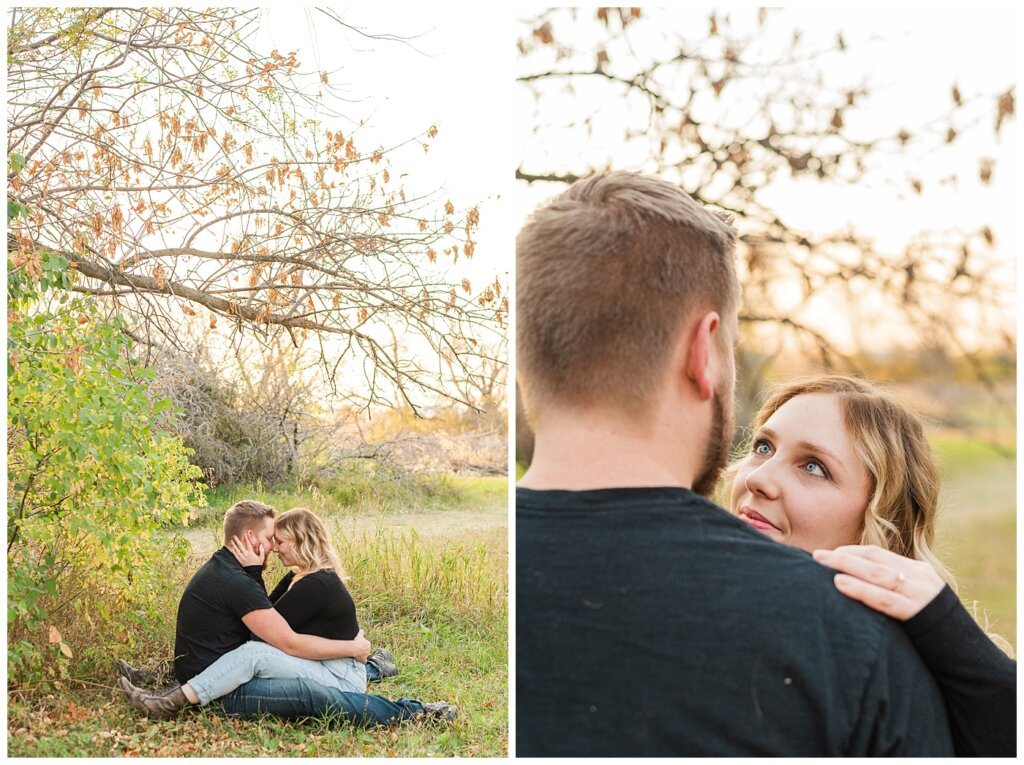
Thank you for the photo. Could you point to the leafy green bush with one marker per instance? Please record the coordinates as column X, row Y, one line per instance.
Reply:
column 93, row 476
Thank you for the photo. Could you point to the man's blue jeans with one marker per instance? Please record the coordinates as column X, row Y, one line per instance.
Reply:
column 299, row 697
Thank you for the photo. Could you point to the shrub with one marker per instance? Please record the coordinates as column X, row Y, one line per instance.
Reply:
column 93, row 475
column 231, row 438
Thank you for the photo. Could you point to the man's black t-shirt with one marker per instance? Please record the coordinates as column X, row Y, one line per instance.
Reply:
column 210, row 613
column 318, row 604
column 652, row 622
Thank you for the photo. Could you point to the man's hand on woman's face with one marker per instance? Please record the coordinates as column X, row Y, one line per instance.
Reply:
column 245, row 554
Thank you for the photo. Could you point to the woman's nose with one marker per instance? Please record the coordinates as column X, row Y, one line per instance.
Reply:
column 762, row 480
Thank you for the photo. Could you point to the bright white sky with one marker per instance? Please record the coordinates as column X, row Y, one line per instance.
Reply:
column 912, row 62
column 456, row 73
column 453, row 73
column 910, row 59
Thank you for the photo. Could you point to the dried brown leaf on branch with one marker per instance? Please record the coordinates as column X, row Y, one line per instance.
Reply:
column 214, row 167
column 985, row 168
column 1004, row 108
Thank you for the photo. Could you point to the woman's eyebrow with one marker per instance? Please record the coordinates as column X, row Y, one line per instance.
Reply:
column 837, row 464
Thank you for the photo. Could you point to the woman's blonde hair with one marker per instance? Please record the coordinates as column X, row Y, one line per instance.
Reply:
column 313, row 548
column 890, row 439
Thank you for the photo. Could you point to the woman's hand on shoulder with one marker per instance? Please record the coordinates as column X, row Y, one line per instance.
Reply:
column 897, row 586
column 362, row 646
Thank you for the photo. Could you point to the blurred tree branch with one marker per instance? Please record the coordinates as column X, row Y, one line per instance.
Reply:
column 722, row 115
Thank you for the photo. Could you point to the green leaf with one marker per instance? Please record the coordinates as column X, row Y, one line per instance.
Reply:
column 14, row 210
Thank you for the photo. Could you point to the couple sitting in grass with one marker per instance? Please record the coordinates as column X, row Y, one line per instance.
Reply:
column 297, row 652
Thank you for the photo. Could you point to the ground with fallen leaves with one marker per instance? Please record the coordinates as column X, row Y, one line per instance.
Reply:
column 98, row 726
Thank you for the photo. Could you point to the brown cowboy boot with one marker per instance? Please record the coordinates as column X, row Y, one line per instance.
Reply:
column 440, row 710
column 382, row 659
column 146, row 679
column 163, row 705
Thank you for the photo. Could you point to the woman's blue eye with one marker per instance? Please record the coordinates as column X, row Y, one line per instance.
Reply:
column 763, row 448
column 813, row 467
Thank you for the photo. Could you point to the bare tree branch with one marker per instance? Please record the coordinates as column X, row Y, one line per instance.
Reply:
column 725, row 115
column 193, row 178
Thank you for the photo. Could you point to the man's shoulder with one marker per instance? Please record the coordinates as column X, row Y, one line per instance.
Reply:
column 713, row 597
column 676, row 530
column 220, row 571
column 609, row 501
column 662, row 515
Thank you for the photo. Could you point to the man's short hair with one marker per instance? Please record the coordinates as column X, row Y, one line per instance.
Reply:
column 606, row 273
column 247, row 514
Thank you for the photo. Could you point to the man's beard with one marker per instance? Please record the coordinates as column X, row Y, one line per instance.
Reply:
column 716, row 453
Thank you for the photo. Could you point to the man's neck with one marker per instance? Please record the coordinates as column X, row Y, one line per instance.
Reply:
column 576, row 452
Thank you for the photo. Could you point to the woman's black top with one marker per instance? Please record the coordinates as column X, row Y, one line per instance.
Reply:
column 978, row 681
column 318, row 604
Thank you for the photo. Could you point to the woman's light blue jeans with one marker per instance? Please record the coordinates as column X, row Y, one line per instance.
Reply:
column 257, row 659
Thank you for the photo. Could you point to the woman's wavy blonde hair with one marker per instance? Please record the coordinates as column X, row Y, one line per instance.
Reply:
column 890, row 439
column 313, row 548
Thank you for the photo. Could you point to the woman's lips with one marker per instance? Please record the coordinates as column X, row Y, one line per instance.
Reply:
column 757, row 520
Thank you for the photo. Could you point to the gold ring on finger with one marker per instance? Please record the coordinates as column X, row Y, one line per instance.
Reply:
column 900, row 579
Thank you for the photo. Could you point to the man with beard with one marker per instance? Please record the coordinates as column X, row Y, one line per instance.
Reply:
column 649, row 620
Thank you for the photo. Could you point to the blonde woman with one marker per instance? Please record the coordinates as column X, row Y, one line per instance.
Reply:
column 313, row 600
column 840, row 469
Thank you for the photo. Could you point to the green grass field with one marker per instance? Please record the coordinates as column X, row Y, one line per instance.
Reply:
column 429, row 576
column 977, row 526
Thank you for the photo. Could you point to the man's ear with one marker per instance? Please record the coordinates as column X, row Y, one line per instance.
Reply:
column 699, row 355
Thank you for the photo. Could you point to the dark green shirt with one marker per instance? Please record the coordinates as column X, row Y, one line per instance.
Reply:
column 652, row 622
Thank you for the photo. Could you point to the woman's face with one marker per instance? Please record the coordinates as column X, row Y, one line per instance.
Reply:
column 803, row 483
column 284, row 547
